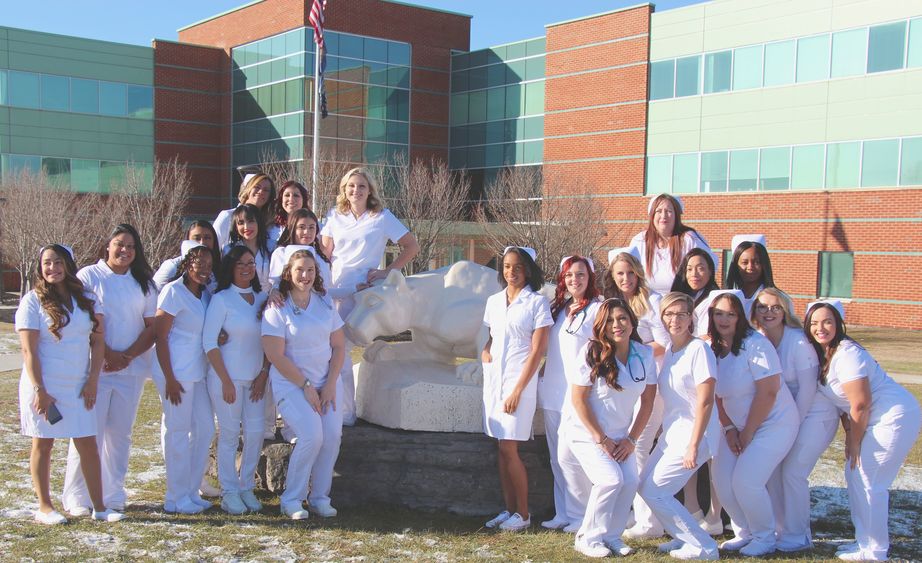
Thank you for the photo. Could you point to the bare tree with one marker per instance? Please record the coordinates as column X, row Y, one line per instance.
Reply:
column 329, row 174
column 524, row 208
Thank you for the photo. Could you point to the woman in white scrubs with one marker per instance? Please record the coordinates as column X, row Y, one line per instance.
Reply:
column 123, row 285
column 615, row 371
column 576, row 301
column 63, row 350
column 355, row 235
column 773, row 316
column 518, row 319
column 199, row 231
column 258, row 190
column 750, row 269
column 759, row 420
column 303, row 230
column 179, row 375
column 881, row 421
column 237, row 376
column 665, row 242
column 292, row 196
column 304, row 341
column 690, row 430
column 247, row 230
column 697, row 278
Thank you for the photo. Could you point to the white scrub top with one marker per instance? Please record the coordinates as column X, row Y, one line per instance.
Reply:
column 277, row 264
column 613, row 409
column 567, row 337
column 701, row 317
column 748, row 302
column 185, row 340
column 126, row 307
column 243, row 351
column 851, row 362
column 736, row 382
column 650, row 327
column 262, row 264
column 222, row 226
column 799, row 368
column 662, row 276
column 679, row 377
column 307, row 340
column 65, row 367
column 167, row 272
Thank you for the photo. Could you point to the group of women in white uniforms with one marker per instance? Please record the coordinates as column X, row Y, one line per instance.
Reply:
column 742, row 385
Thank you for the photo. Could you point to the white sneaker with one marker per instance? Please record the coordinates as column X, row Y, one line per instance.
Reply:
column 845, row 547
column 670, row 545
column 735, row 544
column 860, row 555
column 572, row 527
column 80, row 511
column 596, row 550
column 499, row 519
column 184, row 506
column 791, row 546
column 232, row 504
column 711, row 524
column 515, row 523
column 52, row 518
column 206, row 489
column 554, row 523
column 323, row 509
column 757, row 549
column 195, row 498
column 639, row 533
column 294, row 510
column 691, row 553
column 618, row 547
column 249, row 499
column 108, row 515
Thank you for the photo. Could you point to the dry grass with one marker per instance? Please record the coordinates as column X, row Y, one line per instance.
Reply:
column 898, row 351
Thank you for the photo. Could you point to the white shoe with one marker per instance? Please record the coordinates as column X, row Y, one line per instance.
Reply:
column 845, row 547
column 108, row 515
column 572, row 527
column 555, row 523
column 711, row 524
column 860, row 555
column 249, row 499
column 515, row 523
column 596, row 550
column 790, row 546
column 670, row 545
column 52, row 518
column 195, row 498
column 499, row 519
column 618, row 547
column 184, row 506
column 206, row 489
column 735, row 544
column 231, row 503
column 324, row 510
column 688, row 552
column 638, row 533
column 80, row 511
column 757, row 549
column 294, row 510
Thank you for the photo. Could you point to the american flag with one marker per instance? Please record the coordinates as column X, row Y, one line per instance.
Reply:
column 316, row 19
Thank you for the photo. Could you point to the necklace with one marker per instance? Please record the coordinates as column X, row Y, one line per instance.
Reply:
column 299, row 308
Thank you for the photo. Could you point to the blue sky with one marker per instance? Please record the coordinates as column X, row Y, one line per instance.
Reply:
column 138, row 21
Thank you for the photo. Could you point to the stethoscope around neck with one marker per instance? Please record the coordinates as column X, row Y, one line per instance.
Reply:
column 633, row 354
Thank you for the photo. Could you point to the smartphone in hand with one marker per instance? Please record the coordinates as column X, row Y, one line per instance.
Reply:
column 53, row 415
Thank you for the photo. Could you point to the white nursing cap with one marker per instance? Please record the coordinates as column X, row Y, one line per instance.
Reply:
column 834, row 303
column 530, row 251
column 247, row 178
column 675, row 198
column 719, row 292
column 632, row 250
column 64, row 246
column 188, row 245
column 290, row 251
column 740, row 239
column 565, row 258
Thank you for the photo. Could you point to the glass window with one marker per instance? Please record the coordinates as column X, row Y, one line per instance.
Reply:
column 398, row 53
column 494, row 131
column 842, row 164
column 24, row 89
column 914, row 58
column 496, row 103
column 375, row 130
column 515, row 51
column 879, row 163
column 294, row 95
column 16, row 163
column 534, row 68
column 459, row 81
column 885, row 46
column 744, row 168
column 849, row 52
column 534, row 127
column 717, row 68
column 714, row 171
column 774, row 169
column 55, row 92
column 458, row 109
column 813, row 58
column 375, row 49
column 493, row 155
column 294, row 41
column 662, row 74
column 534, row 98
column 111, row 98
column 111, row 174
column 807, row 167
column 533, row 152
column 277, row 46
column 3, row 88
column 688, row 76
column 350, row 46
column 535, row 47
column 779, row 63
column 659, row 174
column 84, row 95
column 515, row 101
column 911, row 162
column 515, row 71
column 747, row 68
column 140, row 101
column 398, row 77
column 685, row 173
column 57, row 170
column 84, row 175
column 836, row 272
column 477, row 78
column 478, row 107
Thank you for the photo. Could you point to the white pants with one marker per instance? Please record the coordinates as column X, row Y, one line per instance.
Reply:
column 661, row 480
column 883, row 450
column 314, row 455
column 643, row 516
column 789, row 487
column 117, row 398
column 346, row 400
column 242, row 412
column 269, row 413
column 566, row 494
column 578, row 483
column 742, row 480
column 187, row 432
column 613, row 488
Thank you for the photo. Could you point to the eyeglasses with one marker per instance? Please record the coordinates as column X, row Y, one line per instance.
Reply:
column 250, row 264
column 680, row 316
column 766, row 309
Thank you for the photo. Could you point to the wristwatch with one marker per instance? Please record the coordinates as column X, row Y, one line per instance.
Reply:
column 307, row 383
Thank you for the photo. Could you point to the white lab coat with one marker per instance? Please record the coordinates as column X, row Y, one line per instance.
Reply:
column 661, row 277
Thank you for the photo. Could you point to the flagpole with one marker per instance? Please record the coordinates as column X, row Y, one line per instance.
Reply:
column 315, row 156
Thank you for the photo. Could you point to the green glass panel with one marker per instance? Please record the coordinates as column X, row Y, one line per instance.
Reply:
column 458, row 136
column 350, row 46
column 16, row 163
column 477, row 133
column 375, row 130
column 398, row 77
column 535, row 47
column 515, row 71
column 475, row 157
column 911, row 162
column 879, row 163
column 477, row 78
column 459, row 81
column 775, row 168
column 813, row 58
column 496, row 55
column 515, row 50
column 111, row 98
column 277, row 70
column 534, row 127
column 717, row 71
column 885, row 46
column 458, row 61
column 496, row 103
column 478, row 106
column 140, row 101
column 24, row 89
column 4, row 88
column 294, row 41
column 779, row 63
column 534, row 68
column 662, row 74
column 807, row 167
column 688, row 76
column 515, row 101
column 398, row 105
column 264, row 50
column 84, row 95
column 478, row 58
column 747, row 68
column 84, row 175
column 744, row 167
column 493, row 155
column 714, row 172
column 294, row 95
column 57, row 170
column 496, row 75
column 849, row 52
column 294, row 66
column 534, row 152
column 914, row 57
column 55, row 92
column 836, row 273
column 685, row 173
column 842, row 164
column 495, row 131
column 534, row 98
column 457, row 159
column 659, row 174
column 278, row 46
column 111, row 174
column 398, row 132
column 398, row 53
column 277, row 102
column 458, row 109
column 375, row 49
